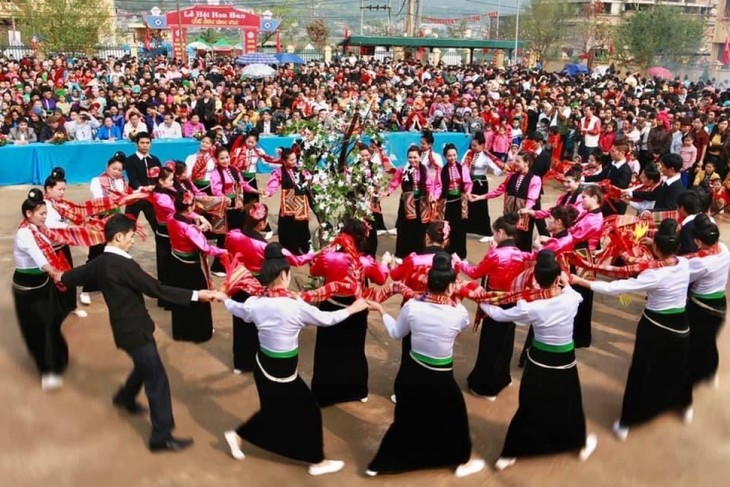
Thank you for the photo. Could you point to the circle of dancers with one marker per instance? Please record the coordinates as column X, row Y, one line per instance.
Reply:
column 209, row 209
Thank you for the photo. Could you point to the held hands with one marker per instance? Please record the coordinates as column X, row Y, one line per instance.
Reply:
column 564, row 279
column 374, row 306
column 218, row 296
column 357, row 306
column 527, row 211
column 206, row 296
column 387, row 258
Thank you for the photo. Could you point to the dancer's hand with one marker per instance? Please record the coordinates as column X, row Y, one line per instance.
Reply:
column 375, row 306
column 219, row 296
column 205, row 296
column 387, row 258
column 359, row 305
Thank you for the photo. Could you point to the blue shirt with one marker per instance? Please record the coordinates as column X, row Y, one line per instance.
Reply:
column 107, row 133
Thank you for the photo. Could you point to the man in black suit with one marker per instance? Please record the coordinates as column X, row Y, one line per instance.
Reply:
column 540, row 167
column 267, row 126
column 123, row 283
column 205, row 108
column 665, row 196
column 618, row 173
column 689, row 205
column 138, row 167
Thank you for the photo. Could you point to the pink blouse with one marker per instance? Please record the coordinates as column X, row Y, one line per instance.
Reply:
column 163, row 205
column 587, row 228
column 501, row 265
column 533, row 191
column 334, row 266
column 225, row 187
column 275, row 179
column 186, row 238
column 578, row 205
column 465, row 177
column 432, row 187
column 251, row 251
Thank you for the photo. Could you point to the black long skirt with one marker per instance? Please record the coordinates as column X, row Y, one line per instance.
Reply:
column 479, row 222
column 245, row 339
column 68, row 297
column 294, row 234
column 40, row 310
column 252, row 197
column 523, row 238
column 162, row 258
column 94, row 252
column 491, row 372
column 236, row 220
column 378, row 222
column 289, row 422
column 193, row 323
column 658, row 378
column 410, row 234
column 430, row 428
column 340, row 372
column 457, row 235
column 550, row 416
column 582, row 321
column 371, row 243
column 706, row 317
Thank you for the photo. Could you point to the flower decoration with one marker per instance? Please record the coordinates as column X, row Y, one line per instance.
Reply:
column 257, row 211
column 188, row 198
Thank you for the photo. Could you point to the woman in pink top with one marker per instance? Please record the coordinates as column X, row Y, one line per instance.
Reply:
column 248, row 246
column 521, row 189
column 501, row 143
column 414, row 210
column 573, row 196
column 340, row 372
column 189, row 269
column 193, row 127
column 454, row 194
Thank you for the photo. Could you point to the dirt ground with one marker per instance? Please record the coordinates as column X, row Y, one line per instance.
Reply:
column 75, row 437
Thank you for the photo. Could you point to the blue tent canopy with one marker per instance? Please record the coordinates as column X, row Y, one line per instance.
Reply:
column 286, row 58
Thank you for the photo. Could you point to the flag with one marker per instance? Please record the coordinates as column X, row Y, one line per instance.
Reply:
column 147, row 38
column 726, row 52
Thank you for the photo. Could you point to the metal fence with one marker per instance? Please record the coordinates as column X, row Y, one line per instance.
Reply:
column 18, row 52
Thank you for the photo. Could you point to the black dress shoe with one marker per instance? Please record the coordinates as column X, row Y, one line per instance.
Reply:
column 131, row 407
column 172, row 444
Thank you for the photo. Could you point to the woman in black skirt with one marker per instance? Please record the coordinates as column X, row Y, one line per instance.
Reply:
column 430, row 428
column 478, row 163
column 39, row 308
column 521, row 189
column 456, row 188
column 289, row 422
column 414, row 210
column 658, row 378
column 707, row 305
column 188, row 268
column 550, row 416
column 340, row 371
column 163, row 204
column 502, row 263
column 248, row 246
column 293, row 180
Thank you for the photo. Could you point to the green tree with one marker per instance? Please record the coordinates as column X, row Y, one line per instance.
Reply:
column 283, row 10
column 457, row 30
column 65, row 25
column 543, row 25
column 210, row 36
column 659, row 35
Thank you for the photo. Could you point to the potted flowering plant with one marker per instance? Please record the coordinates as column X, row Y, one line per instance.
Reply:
column 3, row 140
column 58, row 138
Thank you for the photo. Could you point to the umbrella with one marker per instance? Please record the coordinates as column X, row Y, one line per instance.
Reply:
column 198, row 46
column 257, row 58
column 659, row 72
column 258, row 71
column 285, row 57
column 222, row 45
column 574, row 69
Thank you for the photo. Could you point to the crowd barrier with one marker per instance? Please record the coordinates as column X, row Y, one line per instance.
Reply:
column 32, row 163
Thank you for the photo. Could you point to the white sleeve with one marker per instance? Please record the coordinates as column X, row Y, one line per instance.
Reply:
column 495, row 169
column 643, row 282
column 53, row 218
column 400, row 327
column 95, row 188
column 26, row 243
column 697, row 269
column 464, row 318
column 239, row 310
column 519, row 313
column 311, row 315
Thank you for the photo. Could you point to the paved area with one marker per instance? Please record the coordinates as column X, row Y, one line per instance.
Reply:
column 74, row 437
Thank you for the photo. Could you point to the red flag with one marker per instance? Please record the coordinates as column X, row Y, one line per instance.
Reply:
column 726, row 52
column 147, row 38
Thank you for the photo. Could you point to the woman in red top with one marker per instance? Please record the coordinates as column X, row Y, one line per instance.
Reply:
column 340, row 372
column 188, row 268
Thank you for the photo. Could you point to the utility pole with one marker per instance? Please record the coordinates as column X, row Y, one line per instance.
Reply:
column 362, row 15
column 390, row 19
column 377, row 8
column 410, row 17
column 517, row 29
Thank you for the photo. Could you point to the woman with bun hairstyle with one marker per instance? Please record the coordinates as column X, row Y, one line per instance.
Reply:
column 110, row 183
column 188, row 269
column 502, row 263
column 658, row 378
column 201, row 165
column 478, row 162
column 707, row 305
column 39, row 309
column 559, row 222
column 414, row 210
column 163, row 205
column 549, row 418
column 293, row 180
column 573, row 196
column 455, row 189
column 430, row 428
column 521, row 189
column 227, row 181
column 290, row 421
column 54, row 190
column 340, row 372
column 586, row 233
column 211, row 209
column 248, row 247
